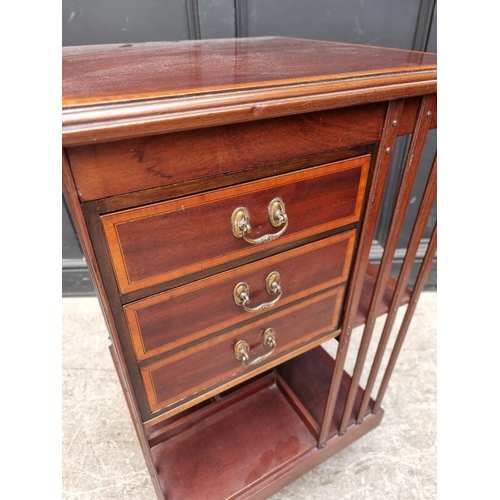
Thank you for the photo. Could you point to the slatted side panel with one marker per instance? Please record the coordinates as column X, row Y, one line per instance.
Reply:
column 427, row 108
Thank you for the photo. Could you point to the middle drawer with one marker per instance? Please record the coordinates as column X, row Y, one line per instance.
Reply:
column 171, row 319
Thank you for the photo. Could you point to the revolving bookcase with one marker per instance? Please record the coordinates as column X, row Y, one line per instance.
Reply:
column 226, row 195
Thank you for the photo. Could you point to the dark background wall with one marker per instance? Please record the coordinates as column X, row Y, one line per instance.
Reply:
column 404, row 24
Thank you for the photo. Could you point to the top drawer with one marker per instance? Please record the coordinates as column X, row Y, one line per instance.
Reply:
column 171, row 239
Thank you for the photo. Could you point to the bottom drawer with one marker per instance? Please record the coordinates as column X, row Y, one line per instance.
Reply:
column 214, row 363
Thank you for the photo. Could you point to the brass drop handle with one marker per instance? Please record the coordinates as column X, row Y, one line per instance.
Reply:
column 241, row 293
column 240, row 222
column 242, row 348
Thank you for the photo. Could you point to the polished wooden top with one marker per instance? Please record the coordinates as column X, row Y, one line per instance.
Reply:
column 114, row 87
column 111, row 73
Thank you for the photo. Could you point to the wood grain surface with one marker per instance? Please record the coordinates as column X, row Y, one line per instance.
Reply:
column 355, row 286
column 213, row 362
column 118, row 91
column 133, row 165
column 233, row 448
column 164, row 241
column 95, row 74
column 174, row 318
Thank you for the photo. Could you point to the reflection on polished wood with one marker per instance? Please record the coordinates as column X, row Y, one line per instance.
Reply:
column 186, row 85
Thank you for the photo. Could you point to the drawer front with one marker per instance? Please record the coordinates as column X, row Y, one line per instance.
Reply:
column 170, row 319
column 213, row 363
column 168, row 240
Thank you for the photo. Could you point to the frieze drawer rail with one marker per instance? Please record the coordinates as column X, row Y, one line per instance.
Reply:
column 226, row 195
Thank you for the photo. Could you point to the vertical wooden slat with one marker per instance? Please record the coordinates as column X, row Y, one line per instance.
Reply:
column 417, row 290
column 381, row 169
column 404, row 275
column 402, row 200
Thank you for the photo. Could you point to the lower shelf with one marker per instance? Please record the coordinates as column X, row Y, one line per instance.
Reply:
column 252, row 439
column 309, row 377
column 367, row 293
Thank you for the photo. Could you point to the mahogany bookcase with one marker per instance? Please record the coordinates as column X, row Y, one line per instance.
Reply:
column 226, row 195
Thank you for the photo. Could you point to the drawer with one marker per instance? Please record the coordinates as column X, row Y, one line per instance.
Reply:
column 170, row 319
column 172, row 239
column 213, row 364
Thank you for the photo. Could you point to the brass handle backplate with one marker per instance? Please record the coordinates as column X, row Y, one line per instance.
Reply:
column 241, row 293
column 242, row 348
column 240, row 222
